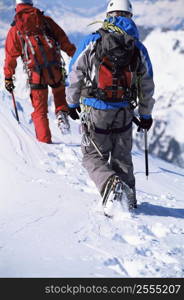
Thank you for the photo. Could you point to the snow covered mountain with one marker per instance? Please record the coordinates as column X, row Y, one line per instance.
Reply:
column 166, row 49
column 51, row 222
column 74, row 16
column 161, row 27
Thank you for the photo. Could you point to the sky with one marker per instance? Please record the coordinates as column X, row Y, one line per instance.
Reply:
column 83, row 3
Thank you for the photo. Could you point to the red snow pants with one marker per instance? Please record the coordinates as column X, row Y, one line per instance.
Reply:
column 39, row 98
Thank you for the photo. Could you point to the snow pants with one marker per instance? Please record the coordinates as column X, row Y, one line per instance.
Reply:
column 112, row 132
column 39, row 99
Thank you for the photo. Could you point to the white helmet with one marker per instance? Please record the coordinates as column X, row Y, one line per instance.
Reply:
column 119, row 5
column 24, row 2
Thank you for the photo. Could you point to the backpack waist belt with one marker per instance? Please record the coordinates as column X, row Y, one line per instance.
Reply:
column 101, row 94
column 113, row 130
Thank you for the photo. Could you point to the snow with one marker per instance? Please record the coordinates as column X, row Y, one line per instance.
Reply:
column 51, row 222
column 166, row 50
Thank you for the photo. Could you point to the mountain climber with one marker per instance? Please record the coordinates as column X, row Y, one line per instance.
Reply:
column 109, row 70
column 39, row 41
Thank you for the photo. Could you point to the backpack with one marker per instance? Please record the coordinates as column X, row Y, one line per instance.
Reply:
column 40, row 48
column 115, row 60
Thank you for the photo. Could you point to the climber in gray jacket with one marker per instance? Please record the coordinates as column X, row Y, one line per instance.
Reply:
column 110, row 70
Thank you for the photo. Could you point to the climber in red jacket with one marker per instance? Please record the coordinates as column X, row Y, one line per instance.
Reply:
column 39, row 41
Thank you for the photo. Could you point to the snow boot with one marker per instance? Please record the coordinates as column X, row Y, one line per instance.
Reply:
column 63, row 122
column 117, row 190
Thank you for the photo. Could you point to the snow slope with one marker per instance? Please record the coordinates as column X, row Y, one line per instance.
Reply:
column 51, row 221
column 51, row 224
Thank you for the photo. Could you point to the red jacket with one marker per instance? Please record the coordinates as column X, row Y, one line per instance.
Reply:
column 13, row 48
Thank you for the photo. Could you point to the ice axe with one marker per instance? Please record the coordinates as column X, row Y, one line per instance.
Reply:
column 15, row 107
column 137, row 122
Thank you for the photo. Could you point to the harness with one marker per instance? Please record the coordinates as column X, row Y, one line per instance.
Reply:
column 87, row 126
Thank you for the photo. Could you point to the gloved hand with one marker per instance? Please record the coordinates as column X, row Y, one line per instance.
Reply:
column 73, row 112
column 145, row 123
column 9, row 84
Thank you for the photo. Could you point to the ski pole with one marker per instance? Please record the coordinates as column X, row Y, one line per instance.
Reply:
column 137, row 122
column 146, row 152
column 15, row 107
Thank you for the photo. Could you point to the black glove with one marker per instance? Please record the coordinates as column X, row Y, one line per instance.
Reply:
column 9, row 84
column 145, row 123
column 73, row 112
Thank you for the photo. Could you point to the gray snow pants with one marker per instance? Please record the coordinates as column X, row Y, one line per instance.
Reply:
column 112, row 132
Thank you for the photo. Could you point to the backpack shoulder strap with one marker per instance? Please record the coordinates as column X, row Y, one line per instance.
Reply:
column 49, row 31
column 98, row 46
